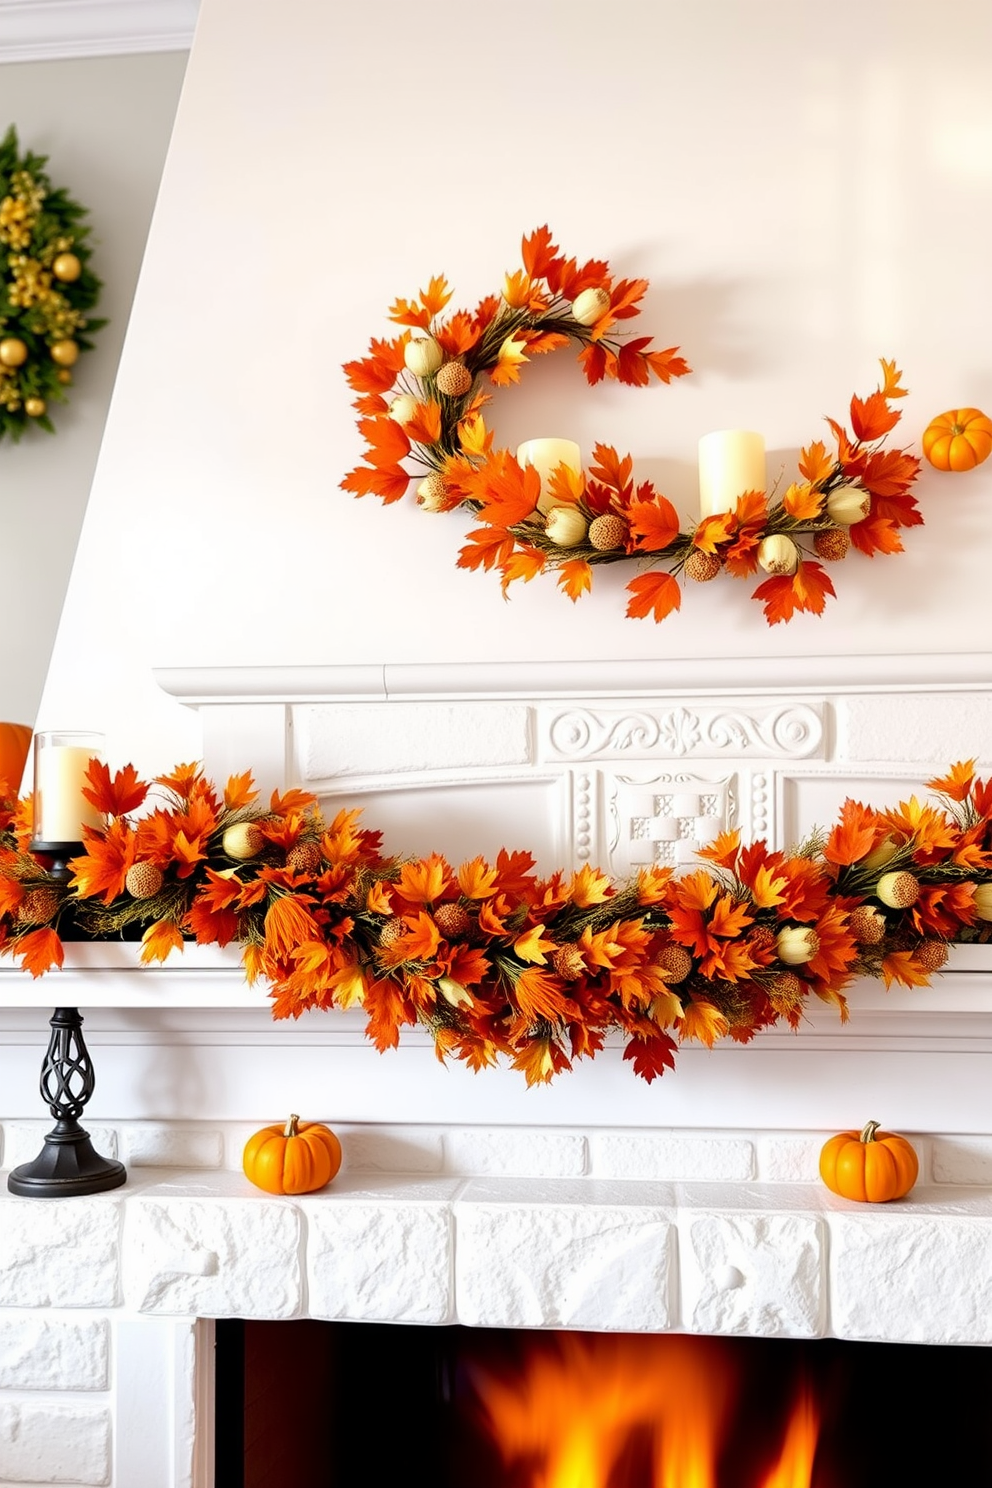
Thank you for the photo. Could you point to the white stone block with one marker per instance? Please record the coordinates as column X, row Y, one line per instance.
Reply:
column 790, row 1159
column 213, row 1256
column 912, row 1272
column 364, row 739
column 564, row 1254
column 41, row 1353
column 962, row 1160
column 59, row 1252
column 749, row 1269
column 516, row 1152
column 383, row 1149
column 670, row 1156
column 54, row 1444
column 161, row 1144
column 23, row 1140
column 374, row 1255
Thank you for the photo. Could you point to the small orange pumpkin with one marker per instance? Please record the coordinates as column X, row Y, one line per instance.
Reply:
column 871, row 1166
column 958, row 440
column 299, row 1157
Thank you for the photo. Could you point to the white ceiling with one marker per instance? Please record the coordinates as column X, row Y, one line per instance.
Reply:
column 46, row 30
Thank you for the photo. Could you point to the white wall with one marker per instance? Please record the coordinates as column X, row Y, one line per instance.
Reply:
column 807, row 187
column 104, row 123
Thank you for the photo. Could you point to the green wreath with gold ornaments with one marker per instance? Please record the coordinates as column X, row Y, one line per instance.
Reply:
column 48, row 290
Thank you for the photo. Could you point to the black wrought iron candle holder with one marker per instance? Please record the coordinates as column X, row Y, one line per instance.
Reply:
column 67, row 1163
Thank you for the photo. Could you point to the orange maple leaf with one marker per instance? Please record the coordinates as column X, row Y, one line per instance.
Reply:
column 287, row 924
column 410, row 313
column 239, row 791
column 525, row 563
column 666, row 364
column 855, row 835
column 387, row 441
column 806, row 589
column 489, row 547
column 477, row 880
column 705, row 1022
column 891, row 380
column 871, row 417
column 654, row 593
column 424, row 880
column 538, row 252
column 957, row 782
column 512, row 355
column 114, row 797
column 377, row 372
column 539, row 996
column 575, row 578
column 103, row 868
column 803, row 502
column 424, row 425
column 723, row 849
column 654, row 523
column 588, row 886
column 876, row 534
column 814, row 462
column 379, row 899
column 651, row 1056
column 890, row 473
column 159, row 940
column 391, row 483
column 902, row 967
column 40, row 950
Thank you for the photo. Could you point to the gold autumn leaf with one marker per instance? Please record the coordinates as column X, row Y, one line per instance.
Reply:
column 512, row 356
column 703, row 1021
column 379, row 899
column 473, row 436
column 588, row 886
column 477, row 880
column 802, row 502
column 891, row 380
column 159, row 940
column 900, row 966
column 532, row 946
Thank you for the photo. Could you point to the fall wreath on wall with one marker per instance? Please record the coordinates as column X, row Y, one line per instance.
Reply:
column 47, row 290
column 494, row 960
column 421, row 397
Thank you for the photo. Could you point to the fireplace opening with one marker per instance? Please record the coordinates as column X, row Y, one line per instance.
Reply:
column 339, row 1405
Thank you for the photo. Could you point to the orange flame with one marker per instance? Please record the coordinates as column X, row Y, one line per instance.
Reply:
column 569, row 1418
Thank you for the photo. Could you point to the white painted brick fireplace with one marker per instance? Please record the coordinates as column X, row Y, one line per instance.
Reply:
column 599, row 1203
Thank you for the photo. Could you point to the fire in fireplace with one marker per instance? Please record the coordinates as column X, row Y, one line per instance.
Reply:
column 337, row 1405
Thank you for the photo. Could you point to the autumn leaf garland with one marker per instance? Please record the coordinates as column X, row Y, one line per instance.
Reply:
column 495, row 961
column 421, row 397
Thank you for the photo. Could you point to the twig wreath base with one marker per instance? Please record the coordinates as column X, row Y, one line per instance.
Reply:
column 494, row 960
column 47, row 291
column 421, row 396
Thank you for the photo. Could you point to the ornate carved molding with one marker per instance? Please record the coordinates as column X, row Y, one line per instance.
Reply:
column 783, row 731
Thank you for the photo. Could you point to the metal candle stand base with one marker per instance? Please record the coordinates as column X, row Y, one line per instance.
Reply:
column 67, row 1163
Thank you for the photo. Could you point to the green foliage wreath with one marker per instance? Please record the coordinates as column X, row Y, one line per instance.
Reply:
column 47, row 290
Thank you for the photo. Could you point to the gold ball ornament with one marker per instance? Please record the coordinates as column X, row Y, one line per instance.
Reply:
column 143, row 880
column 701, row 566
column 64, row 353
column 63, row 375
column 454, row 380
column 242, row 841
column 13, row 351
column 832, row 544
column 34, row 407
column 67, row 267
column 608, row 532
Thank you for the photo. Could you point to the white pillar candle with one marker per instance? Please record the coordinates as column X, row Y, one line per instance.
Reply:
column 731, row 461
column 60, row 764
column 546, row 455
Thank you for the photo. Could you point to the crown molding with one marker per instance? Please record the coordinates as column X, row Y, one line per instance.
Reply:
column 53, row 30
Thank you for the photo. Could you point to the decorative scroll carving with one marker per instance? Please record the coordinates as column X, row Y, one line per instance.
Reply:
column 787, row 730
